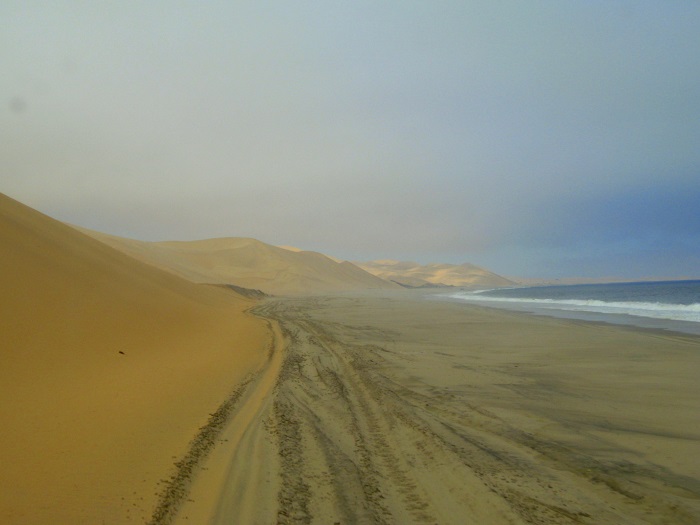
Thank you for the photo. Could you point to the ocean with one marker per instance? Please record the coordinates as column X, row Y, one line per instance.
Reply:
column 673, row 305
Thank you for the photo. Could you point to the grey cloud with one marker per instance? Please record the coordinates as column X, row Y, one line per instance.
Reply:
column 445, row 130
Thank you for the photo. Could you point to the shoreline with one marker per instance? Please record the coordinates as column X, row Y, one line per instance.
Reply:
column 391, row 408
column 614, row 319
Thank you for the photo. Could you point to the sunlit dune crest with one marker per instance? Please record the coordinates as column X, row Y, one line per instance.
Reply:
column 412, row 274
column 291, row 248
column 249, row 263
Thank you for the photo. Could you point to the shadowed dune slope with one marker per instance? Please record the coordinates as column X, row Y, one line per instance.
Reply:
column 417, row 275
column 108, row 367
column 249, row 263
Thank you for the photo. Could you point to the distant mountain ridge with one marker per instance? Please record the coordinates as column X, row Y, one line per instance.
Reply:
column 248, row 263
column 253, row 264
column 414, row 275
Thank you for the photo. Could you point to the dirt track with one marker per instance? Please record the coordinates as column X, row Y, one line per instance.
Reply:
column 350, row 433
column 355, row 445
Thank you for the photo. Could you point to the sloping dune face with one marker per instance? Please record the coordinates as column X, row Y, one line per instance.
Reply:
column 108, row 367
column 251, row 264
column 414, row 274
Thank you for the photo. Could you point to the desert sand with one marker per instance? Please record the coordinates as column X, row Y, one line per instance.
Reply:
column 414, row 275
column 108, row 368
column 131, row 395
column 249, row 263
column 397, row 409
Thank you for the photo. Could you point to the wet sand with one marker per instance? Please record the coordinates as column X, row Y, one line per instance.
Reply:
column 396, row 409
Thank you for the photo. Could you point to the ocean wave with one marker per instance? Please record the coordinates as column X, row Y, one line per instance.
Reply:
column 676, row 312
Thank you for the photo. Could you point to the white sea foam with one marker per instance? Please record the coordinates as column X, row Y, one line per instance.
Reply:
column 676, row 312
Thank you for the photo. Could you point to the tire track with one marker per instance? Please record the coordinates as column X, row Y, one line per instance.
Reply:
column 399, row 432
column 357, row 440
column 240, row 433
column 176, row 487
column 317, row 368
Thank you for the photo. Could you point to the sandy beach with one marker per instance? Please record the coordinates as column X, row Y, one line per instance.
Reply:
column 397, row 409
column 349, row 263
column 131, row 395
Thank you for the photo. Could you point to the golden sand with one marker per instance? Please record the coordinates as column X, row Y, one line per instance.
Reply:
column 416, row 275
column 249, row 263
column 130, row 395
column 107, row 369
column 402, row 410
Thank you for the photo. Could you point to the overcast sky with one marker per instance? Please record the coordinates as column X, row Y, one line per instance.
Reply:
column 535, row 138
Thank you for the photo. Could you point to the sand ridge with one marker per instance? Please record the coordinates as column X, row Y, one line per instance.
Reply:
column 249, row 263
column 416, row 275
column 107, row 368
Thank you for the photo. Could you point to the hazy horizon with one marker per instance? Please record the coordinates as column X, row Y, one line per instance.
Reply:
column 540, row 139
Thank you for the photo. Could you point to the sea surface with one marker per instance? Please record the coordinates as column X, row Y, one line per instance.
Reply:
column 673, row 305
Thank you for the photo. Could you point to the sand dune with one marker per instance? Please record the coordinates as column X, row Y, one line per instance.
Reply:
column 416, row 275
column 107, row 369
column 366, row 407
column 295, row 249
column 249, row 263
